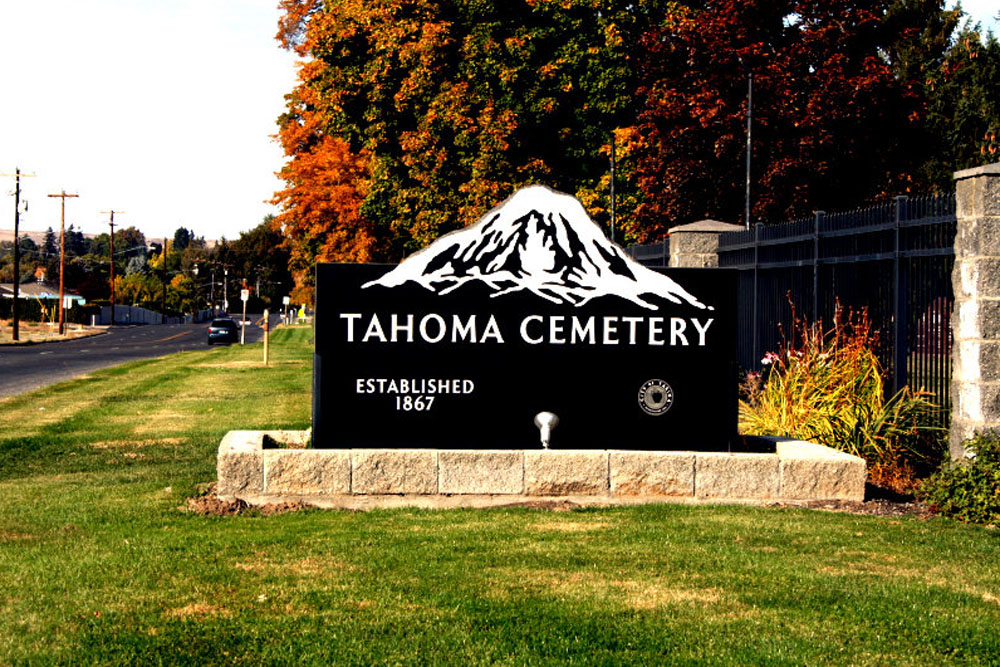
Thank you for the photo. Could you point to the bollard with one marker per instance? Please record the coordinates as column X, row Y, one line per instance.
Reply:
column 267, row 333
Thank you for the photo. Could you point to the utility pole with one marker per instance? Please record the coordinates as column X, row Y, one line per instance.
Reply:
column 17, row 249
column 112, row 250
column 62, row 256
column 746, row 215
column 612, row 186
column 163, row 305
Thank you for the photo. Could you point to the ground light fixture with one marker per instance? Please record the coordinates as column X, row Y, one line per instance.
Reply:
column 546, row 421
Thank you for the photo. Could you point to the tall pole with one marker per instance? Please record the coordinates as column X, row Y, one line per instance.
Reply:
column 212, row 292
column 62, row 256
column 225, row 289
column 14, row 315
column 746, row 215
column 17, row 255
column 612, row 187
column 112, row 250
column 163, row 305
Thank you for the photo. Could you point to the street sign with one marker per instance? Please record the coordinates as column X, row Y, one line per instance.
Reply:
column 245, row 294
column 286, row 300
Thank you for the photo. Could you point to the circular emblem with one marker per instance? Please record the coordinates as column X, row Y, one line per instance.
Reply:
column 655, row 397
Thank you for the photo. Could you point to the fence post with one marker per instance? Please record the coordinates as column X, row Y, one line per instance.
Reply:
column 696, row 244
column 975, row 384
column 899, row 292
column 756, row 302
column 816, row 225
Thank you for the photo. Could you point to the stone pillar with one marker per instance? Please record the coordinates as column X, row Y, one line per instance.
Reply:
column 696, row 245
column 975, row 384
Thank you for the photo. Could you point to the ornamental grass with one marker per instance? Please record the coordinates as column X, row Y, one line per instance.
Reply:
column 827, row 386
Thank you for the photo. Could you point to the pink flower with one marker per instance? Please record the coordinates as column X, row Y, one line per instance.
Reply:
column 769, row 358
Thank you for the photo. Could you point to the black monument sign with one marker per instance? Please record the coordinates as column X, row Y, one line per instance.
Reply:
column 530, row 310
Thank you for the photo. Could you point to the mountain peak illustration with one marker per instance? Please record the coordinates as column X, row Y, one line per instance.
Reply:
column 541, row 241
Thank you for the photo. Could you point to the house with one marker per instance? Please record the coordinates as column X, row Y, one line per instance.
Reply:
column 41, row 290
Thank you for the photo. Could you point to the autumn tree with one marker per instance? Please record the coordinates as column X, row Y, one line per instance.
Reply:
column 414, row 117
column 834, row 126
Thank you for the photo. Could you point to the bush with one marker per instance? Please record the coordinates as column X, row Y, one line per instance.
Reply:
column 969, row 490
column 828, row 387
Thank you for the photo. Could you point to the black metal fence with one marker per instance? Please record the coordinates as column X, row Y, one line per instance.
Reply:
column 894, row 260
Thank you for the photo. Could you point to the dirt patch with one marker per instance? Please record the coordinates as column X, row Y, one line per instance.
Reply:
column 44, row 332
column 136, row 444
column 209, row 504
column 214, row 506
column 550, row 505
column 867, row 508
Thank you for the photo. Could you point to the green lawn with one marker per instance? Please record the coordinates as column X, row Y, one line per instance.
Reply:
column 99, row 563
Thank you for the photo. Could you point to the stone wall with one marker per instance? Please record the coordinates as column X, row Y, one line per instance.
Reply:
column 797, row 471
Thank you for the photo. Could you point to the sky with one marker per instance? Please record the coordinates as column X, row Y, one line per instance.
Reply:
column 982, row 11
column 162, row 109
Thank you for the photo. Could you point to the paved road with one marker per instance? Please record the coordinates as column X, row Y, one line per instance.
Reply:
column 28, row 367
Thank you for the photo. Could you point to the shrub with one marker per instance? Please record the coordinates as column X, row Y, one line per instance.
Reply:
column 828, row 387
column 969, row 490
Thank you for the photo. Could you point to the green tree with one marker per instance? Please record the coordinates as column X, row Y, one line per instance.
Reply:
column 51, row 244
column 963, row 107
column 260, row 258
column 182, row 238
column 76, row 243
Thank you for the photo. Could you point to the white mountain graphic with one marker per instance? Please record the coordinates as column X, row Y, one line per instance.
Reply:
column 541, row 241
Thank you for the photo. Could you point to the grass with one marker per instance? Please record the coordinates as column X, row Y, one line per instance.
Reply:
column 100, row 565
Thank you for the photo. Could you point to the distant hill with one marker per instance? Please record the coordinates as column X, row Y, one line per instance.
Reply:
column 37, row 237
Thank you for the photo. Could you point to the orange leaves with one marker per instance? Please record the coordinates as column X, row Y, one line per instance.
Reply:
column 292, row 23
column 413, row 117
column 612, row 35
column 320, row 215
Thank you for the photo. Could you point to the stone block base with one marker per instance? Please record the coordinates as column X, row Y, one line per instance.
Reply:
column 363, row 478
